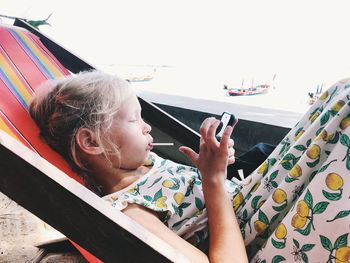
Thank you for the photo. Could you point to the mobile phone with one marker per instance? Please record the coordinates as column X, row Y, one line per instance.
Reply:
column 226, row 119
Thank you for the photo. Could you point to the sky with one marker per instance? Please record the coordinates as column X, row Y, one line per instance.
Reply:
column 305, row 43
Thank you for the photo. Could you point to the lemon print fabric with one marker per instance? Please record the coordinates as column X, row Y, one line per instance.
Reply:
column 260, row 226
column 297, row 206
column 279, row 196
column 296, row 171
column 342, row 254
column 334, row 183
column 324, row 136
column 324, row 95
column 237, row 201
column 179, row 198
column 281, row 231
column 175, row 190
column 262, row 168
column 345, row 123
column 314, row 151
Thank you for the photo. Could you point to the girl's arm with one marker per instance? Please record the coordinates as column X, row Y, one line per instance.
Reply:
column 149, row 219
column 226, row 242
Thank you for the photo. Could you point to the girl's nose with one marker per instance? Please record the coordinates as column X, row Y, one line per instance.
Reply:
column 146, row 128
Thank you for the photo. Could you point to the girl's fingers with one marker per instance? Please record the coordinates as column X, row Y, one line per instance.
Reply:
column 231, row 152
column 231, row 143
column 211, row 132
column 192, row 155
column 231, row 160
column 226, row 137
column 205, row 126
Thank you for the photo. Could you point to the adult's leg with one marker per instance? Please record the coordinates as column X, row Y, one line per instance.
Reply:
column 251, row 160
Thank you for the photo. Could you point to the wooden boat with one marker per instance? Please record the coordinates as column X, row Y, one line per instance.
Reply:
column 260, row 89
column 140, row 78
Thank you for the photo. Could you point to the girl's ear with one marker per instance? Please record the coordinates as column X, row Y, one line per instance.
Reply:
column 86, row 139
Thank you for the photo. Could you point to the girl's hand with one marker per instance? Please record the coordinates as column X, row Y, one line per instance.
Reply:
column 212, row 162
column 231, row 152
column 213, row 156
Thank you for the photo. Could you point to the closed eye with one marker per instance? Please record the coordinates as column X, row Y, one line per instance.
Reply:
column 136, row 120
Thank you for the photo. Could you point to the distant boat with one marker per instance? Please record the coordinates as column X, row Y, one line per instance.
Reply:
column 140, row 78
column 260, row 89
column 253, row 90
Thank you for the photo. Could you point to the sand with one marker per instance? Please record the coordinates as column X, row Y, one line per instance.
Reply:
column 20, row 231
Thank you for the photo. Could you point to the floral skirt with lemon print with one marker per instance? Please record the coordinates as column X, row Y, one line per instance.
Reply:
column 296, row 205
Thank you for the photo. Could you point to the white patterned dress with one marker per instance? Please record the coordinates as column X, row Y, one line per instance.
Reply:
column 175, row 189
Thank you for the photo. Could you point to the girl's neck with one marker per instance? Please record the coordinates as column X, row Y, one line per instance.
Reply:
column 119, row 179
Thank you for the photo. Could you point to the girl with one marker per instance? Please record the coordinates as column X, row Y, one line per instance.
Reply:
column 94, row 121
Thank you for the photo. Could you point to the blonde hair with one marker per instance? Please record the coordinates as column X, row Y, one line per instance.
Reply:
column 87, row 100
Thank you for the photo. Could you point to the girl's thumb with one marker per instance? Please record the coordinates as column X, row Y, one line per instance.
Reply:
column 192, row 155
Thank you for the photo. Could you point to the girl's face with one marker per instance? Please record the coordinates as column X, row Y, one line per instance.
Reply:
column 131, row 134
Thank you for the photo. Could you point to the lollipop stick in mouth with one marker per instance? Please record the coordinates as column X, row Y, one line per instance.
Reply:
column 163, row 144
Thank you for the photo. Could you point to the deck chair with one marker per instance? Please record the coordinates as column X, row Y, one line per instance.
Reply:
column 283, row 206
column 40, row 180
